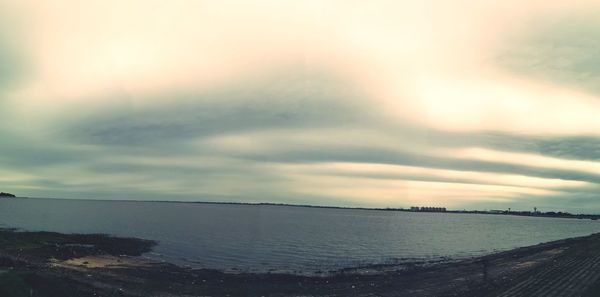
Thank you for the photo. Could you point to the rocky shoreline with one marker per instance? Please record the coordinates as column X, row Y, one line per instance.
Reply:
column 53, row 264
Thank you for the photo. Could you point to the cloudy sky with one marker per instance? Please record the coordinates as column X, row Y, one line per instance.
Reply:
column 464, row 104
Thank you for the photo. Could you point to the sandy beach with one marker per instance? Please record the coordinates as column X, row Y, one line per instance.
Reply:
column 53, row 264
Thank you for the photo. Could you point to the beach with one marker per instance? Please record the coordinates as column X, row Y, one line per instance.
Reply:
column 54, row 264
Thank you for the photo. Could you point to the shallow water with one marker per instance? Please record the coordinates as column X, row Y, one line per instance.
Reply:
column 292, row 239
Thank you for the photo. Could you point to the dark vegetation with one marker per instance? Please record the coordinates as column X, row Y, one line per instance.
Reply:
column 25, row 259
column 46, row 245
column 6, row 195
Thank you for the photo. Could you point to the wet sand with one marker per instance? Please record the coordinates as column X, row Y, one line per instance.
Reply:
column 52, row 264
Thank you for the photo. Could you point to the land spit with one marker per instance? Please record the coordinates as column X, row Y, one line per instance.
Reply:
column 53, row 264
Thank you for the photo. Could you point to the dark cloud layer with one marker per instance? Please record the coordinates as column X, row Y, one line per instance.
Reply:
column 293, row 100
column 105, row 141
column 562, row 51
column 14, row 65
column 567, row 147
column 180, row 129
column 109, row 113
column 382, row 156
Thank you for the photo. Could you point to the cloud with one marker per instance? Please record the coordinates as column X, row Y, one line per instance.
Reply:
column 300, row 98
column 10, row 69
column 561, row 50
column 581, row 147
column 271, row 144
column 274, row 138
column 14, row 66
column 335, row 102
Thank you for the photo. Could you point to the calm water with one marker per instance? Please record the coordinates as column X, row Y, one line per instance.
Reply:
column 259, row 238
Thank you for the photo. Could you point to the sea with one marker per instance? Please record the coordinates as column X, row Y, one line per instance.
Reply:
column 301, row 240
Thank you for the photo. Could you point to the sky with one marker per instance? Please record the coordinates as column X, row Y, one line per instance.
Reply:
column 460, row 104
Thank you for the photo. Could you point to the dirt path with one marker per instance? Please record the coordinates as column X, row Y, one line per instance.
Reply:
column 573, row 273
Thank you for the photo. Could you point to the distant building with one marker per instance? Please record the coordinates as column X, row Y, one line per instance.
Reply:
column 427, row 209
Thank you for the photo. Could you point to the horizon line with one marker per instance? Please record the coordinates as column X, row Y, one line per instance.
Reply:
column 464, row 210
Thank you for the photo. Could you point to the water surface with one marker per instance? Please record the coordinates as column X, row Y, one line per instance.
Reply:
column 282, row 238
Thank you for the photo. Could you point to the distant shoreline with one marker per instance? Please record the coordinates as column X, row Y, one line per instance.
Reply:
column 562, row 215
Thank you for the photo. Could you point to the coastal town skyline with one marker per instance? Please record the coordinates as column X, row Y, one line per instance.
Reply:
column 460, row 104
